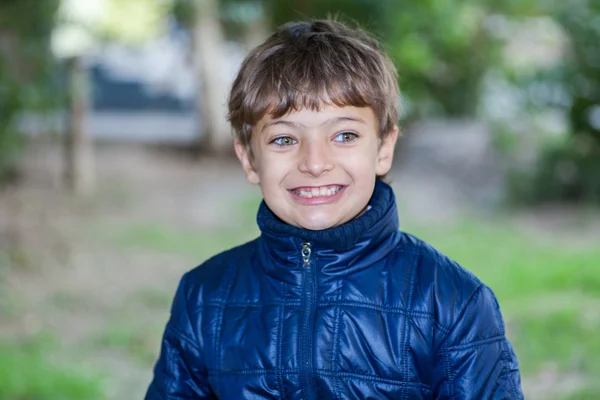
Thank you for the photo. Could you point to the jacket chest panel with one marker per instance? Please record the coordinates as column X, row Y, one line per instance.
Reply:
column 346, row 339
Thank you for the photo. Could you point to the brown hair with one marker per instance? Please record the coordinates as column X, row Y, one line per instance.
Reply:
column 306, row 64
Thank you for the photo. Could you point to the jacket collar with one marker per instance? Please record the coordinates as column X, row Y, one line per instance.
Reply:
column 341, row 245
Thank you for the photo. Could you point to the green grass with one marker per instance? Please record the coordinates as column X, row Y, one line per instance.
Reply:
column 141, row 343
column 588, row 393
column 152, row 298
column 26, row 373
column 165, row 239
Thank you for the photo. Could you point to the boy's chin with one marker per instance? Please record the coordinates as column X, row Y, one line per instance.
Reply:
column 319, row 224
column 315, row 224
column 321, row 221
column 318, row 227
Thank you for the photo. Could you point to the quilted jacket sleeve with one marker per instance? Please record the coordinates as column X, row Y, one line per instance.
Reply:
column 180, row 371
column 476, row 361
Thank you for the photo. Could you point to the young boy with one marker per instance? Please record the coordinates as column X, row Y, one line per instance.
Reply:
column 332, row 301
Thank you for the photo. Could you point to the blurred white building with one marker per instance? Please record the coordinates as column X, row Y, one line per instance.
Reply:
column 142, row 93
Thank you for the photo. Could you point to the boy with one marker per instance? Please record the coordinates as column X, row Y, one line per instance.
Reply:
column 332, row 301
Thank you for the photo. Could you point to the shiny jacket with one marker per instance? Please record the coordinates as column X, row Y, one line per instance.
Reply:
column 360, row 311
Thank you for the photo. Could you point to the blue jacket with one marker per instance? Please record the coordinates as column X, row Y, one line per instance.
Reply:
column 359, row 311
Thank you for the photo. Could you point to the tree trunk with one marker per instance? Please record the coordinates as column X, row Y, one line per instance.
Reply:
column 208, row 42
column 79, row 167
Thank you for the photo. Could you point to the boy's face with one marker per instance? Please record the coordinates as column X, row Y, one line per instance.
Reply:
column 317, row 169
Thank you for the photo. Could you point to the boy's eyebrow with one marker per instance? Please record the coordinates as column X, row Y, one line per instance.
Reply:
column 330, row 121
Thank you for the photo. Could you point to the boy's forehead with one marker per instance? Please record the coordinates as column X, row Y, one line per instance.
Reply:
column 326, row 115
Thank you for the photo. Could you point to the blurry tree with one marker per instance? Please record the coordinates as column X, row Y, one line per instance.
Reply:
column 246, row 21
column 26, row 68
column 73, row 38
column 81, row 28
column 569, row 169
column 79, row 171
column 581, row 20
column 578, row 72
column 442, row 50
column 203, row 19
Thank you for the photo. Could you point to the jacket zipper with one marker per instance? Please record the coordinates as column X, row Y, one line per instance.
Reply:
column 308, row 310
column 306, row 252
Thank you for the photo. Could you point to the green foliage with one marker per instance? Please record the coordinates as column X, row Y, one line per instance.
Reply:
column 570, row 171
column 580, row 19
column 27, row 373
column 366, row 13
column 184, row 12
column 441, row 49
column 26, row 70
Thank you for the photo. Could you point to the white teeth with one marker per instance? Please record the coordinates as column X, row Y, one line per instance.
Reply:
column 324, row 191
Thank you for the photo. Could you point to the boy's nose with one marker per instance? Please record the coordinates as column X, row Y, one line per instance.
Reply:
column 315, row 159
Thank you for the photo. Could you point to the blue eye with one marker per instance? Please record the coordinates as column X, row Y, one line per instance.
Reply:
column 283, row 141
column 345, row 137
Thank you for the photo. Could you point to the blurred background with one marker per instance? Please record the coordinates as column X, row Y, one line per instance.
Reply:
column 117, row 176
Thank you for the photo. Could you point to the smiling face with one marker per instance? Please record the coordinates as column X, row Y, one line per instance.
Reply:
column 317, row 169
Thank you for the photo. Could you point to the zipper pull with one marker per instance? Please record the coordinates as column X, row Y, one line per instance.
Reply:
column 306, row 250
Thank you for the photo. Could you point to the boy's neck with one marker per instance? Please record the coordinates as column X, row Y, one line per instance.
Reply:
column 381, row 219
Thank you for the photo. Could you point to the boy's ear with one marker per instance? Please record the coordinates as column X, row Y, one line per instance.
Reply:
column 244, row 156
column 385, row 153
